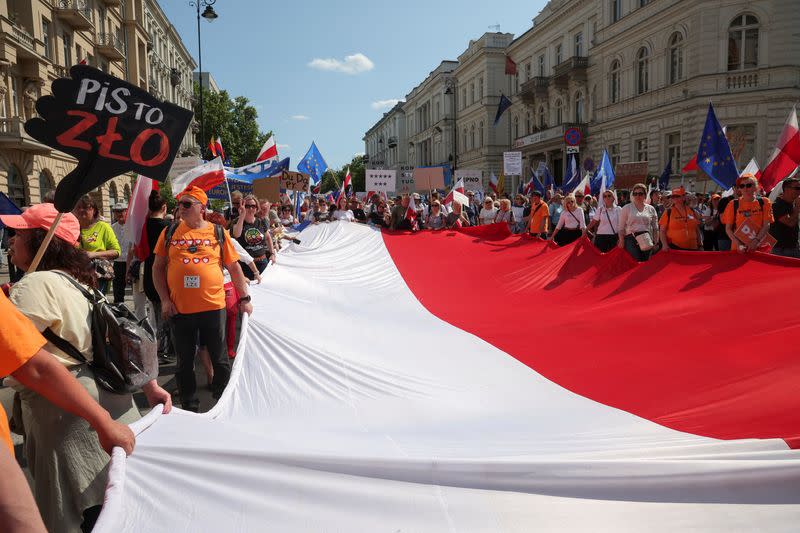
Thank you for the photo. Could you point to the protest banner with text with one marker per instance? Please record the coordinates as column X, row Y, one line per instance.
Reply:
column 473, row 179
column 381, row 180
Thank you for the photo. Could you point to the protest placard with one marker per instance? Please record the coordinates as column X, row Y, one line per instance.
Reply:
column 294, row 181
column 428, row 178
column 473, row 179
column 381, row 180
column 512, row 163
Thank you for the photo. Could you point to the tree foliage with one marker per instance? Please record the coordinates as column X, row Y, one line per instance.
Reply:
column 333, row 179
column 233, row 120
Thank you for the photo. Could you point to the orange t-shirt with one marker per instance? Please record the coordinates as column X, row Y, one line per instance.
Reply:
column 19, row 341
column 194, row 273
column 681, row 227
column 539, row 213
column 749, row 211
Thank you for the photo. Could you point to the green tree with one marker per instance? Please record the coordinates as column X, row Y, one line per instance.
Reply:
column 234, row 121
column 333, row 178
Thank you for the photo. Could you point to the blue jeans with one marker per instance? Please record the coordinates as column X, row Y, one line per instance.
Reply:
column 632, row 247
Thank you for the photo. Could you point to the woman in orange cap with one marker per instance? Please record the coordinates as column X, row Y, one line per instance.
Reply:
column 679, row 227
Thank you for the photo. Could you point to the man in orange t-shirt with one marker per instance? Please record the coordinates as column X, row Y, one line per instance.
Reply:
column 679, row 224
column 539, row 217
column 187, row 273
column 758, row 211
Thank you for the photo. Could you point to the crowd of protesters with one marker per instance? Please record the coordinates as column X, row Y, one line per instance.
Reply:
column 193, row 284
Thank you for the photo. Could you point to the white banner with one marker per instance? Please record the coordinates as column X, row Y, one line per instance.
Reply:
column 182, row 165
column 381, row 180
column 473, row 179
column 512, row 163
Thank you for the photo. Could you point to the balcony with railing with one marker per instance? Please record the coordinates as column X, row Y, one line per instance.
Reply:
column 23, row 38
column 573, row 69
column 392, row 141
column 110, row 46
column 534, row 88
column 76, row 13
column 14, row 137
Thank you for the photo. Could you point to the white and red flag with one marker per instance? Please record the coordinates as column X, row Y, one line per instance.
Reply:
column 206, row 176
column 457, row 194
column 269, row 152
column 493, row 183
column 136, row 219
column 347, row 187
column 411, row 212
column 785, row 158
column 215, row 146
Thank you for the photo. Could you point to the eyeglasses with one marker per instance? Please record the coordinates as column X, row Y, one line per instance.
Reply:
column 186, row 204
column 747, row 185
column 637, row 193
column 250, row 206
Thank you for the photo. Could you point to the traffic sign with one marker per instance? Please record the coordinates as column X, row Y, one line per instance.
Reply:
column 572, row 150
column 573, row 136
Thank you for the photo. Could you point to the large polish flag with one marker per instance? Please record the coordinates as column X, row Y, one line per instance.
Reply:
column 269, row 152
column 457, row 194
column 442, row 418
column 785, row 158
column 206, row 176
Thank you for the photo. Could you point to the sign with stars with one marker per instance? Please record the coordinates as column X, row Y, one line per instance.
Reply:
column 381, row 180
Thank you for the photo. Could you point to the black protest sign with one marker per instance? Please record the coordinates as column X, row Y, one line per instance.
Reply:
column 110, row 126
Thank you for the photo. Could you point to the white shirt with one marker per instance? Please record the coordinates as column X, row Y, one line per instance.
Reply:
column 635, row 221
column 343, row 214
column 707, row 211
column 603, row 215
column 486, row 216
column 572, row 219
column 519, row 211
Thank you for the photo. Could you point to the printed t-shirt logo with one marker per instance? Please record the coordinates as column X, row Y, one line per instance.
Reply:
column 253, row 237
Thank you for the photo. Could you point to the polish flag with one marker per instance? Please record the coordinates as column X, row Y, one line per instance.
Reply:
column 457, row 194
column 785, row 157
column 269, row 152
column 206, row 176
column 584, row 185
column 411, row 212
column 691, row 165
column 136, row 220
column 346, row 184
column 215, row 146
column 493, row 182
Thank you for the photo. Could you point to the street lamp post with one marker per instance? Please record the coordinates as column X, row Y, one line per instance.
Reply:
column 451, row 89
column 210, row 15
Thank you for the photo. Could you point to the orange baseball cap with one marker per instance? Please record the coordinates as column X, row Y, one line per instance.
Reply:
column 679, row 191
column 746, row 176
column 42, row 216
column 195, row 192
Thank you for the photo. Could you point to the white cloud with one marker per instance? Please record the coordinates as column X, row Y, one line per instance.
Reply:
column 300, row 117
column 283, row 147
column 353, row 64
column 359, row 154
column 385, row 104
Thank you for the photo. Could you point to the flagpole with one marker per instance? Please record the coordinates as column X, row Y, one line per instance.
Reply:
column 228, row 188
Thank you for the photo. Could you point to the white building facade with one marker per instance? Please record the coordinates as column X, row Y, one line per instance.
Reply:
column 386, row 143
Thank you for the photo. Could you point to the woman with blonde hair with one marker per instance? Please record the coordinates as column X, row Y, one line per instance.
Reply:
column 571, row 224
column 505, row 214
column 253, row 234
column 638, row 225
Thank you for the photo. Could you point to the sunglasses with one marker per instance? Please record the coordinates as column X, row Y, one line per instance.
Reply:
column 791, row 188
column 639, row 193
column 250, row 206
column 747, row 185
column 186, row 204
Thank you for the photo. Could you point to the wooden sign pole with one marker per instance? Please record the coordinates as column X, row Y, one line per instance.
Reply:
column 45, row 243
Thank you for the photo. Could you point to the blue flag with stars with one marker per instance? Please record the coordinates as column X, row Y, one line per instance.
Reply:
column 714, row 155
column 313, row 164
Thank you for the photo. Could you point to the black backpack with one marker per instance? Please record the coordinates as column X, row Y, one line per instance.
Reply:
column 124, row 347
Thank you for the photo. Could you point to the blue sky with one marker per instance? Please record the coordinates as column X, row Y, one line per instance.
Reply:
column 266, row 51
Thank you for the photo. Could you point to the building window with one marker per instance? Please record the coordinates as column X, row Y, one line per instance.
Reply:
column 579, row 115
column 676, row 58
column 542, row 119
column 642, row 70
column 67, row 50
column 464, row 140
column 463, row 98
column 613, row 154
column 541, row 65
column 643, row 3
column 480, row 89
column 559, row 54
column 614, row 84
column 480, row 134
column 674, row 150
column 559, row 108
column 743, row 43
column 516, row 127
column 16, row 187
column 472, row 144
column 14, row 97
column 616, row 10
column 516, row 82
column 78, row 53
column 472, row 93
column 45, row 184
column 126, row 192
column 48, row 51
column 113, row 195
column 528, row 123
column 742, row 140
column 640, row 149
column 579, row 44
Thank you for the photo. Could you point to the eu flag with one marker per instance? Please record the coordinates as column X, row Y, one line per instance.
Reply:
column 663, row 181
column 313, row 164
column 714, row 155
